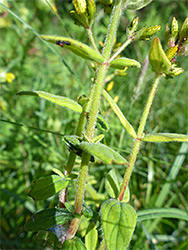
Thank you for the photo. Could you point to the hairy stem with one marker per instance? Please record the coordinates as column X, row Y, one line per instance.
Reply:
column 137, row 142
column 100, row 77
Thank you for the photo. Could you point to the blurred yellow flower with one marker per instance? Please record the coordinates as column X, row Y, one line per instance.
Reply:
column 110, row 86
column 10, row 77
column 116, row 98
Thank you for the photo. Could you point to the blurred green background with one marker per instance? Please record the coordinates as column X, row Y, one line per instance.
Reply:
column 27, row 154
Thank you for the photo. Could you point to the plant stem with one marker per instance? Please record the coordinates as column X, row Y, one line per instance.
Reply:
column 100, row 77
column 120, row 49
column 90, row 34
column 137, row 142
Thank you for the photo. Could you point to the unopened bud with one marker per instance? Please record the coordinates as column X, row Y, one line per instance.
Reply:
column 183, row 49
column 170, row 53
column 80, row 6
column 91, row 9
column 174, row 72
column 149, row 32
column 183, row 35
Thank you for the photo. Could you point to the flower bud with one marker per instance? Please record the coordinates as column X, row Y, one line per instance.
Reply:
column 133, row 26
column 183, row 49
column 149, row 32
column 170, row 53
column 171, row 34
column 183, row 35
column 174, row 72
column 91, row 9
column 80, row 6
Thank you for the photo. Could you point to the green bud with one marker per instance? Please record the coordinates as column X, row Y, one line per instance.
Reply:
column 149, row 32
column 174, row 72
column 158, row 58
column 82, row 100
column 184, row 31
column 91, row 9
column 106, row 2
column 80, row 20
column 174, row 28
column 80, row 6
column 171, row 34
column 133, row 25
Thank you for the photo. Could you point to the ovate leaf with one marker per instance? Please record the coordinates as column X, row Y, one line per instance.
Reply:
column 91, row 238
column 118, row 222
column 73, row 244
column 165, row 137
column 137, row 4
column 148, row 214
column 120, row 115
column 59, row 100
column 123, row 62
column 103, row 152
column 47, row 186
column 157, row 57
column 48, row 218
column 76, row 47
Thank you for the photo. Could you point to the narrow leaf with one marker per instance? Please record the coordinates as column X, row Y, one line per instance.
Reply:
column 103, row 152
column 165, row 137
column 137, row 4
column 59, row 100
column 120, row 115
column 158, row 58
column 123, row 62
column 91, row 238
column 113, row 183
column 118, row 222
column 162, row 212
column 48, row 218
column 76, row 47
column 47, row 186
column 73, row 244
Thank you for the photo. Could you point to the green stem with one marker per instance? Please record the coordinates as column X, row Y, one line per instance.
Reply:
column 120, row 49
column 90, row 34
column 137, row 142
column 100, row 77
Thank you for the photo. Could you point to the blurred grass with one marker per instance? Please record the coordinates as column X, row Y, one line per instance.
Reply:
column 30, row 154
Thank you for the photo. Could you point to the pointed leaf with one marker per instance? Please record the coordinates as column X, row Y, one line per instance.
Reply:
column 118, row 222
column 158, row 58
column 47, row 186
column 148, row 214
column 120, row 115
column 91, row 238
column 137, row 4
column 47, row 218
column 113, row 184
column 76, row 47
column 165, row 137
column 103, row 152
column 73, row 244
column 123, row 62
column 59, row 100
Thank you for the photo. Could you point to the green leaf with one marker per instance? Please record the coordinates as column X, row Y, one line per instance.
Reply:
column 120, row 115
column 113, row 184
column 48, row 218
column 121, row 63
column 103, row 152
column 73, row 244
column 47, row 186
column 91, row 238
column 137, row 4
column 158, row 58
column 59, row 100
column 162, row 212
column 76, row 47
column 165, row 137
column 118, row 222
column 102, row 124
